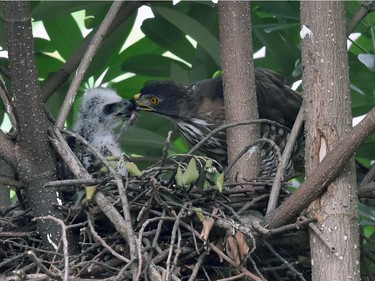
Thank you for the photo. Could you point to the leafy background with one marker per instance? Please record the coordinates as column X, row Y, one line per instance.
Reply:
column 181, row 43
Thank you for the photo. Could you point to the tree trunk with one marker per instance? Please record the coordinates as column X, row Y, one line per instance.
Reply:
column 328, row 120
column 35, row 158
column 239, row 87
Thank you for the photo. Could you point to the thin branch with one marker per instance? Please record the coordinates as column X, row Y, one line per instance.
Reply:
column 366, row 8
column 370, row 175
column 70, row 159
column 71, row 182
column 271, row 142
column 102, row 241
column 276, row 187
column 42, row 267
column 198, row 265
column 284, row 261
column 9, row 107
column 61, row 75
column 165, row 149
column 82, row 68
column 366, row 189
column 128, row 222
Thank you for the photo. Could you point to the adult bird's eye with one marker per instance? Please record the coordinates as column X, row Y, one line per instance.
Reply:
column 154, row 100
column 109, row 108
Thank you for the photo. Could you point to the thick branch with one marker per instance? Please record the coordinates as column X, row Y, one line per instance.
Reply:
column 35, row 161
column 365, row 8
column 238, row 83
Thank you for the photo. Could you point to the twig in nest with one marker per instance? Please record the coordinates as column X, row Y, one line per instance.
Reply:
column 71, row 160
column 256, row 224
column 284, row 261
column 102, row 242
column 238, row 276
column 318, row 233
column 64, row 242
column 175, row 229
column 72, row 182
column 42, row 267
column 140, row 237
column 165, row 149
column 251, row 203
column 369, row 176
column 271, row 142
column 198, row 265
column 127, row 220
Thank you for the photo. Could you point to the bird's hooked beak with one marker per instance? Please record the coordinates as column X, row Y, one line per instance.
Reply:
column 140, row 105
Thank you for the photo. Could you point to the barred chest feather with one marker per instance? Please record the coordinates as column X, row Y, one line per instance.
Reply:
column 194, row 130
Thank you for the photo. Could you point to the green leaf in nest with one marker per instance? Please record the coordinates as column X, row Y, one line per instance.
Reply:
column 132, row 168
column 220, row 182
column 178, row 177
column 191, row 174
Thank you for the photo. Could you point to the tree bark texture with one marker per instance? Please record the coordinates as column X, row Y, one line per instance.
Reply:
column 239, row 87
column 328, row 120
column 35, row 161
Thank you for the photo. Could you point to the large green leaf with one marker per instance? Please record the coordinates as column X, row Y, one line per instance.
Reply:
column 363, row 87
column 172, row 38
column 129, row 87
column 277, row 9
column 108, row 53
column 194, row 29
column 46, row 64
column 47, row 10
column 43, row 45
column 150, row 65
column 64, row 34
column 143, row 46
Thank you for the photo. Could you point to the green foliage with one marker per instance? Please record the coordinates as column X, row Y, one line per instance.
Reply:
column 188, row 32
column 181, row 43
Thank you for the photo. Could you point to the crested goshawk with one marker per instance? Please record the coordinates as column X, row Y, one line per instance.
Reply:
column 197, row 109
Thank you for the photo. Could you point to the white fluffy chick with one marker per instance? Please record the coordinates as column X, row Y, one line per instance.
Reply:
column 102, row 111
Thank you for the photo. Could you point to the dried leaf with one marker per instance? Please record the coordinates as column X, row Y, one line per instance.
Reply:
column 242, row 245
column 178, row 177
column 232, row 249
column 208, row 223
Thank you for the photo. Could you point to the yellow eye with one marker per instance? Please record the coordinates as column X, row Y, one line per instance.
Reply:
column 154, row 100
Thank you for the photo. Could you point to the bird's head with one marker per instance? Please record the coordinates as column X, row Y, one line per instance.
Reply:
column 103, row 108
column 165, row 98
